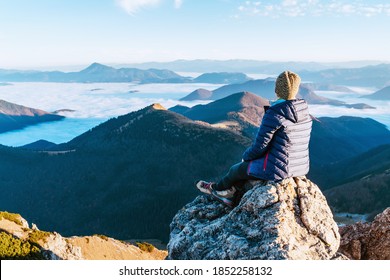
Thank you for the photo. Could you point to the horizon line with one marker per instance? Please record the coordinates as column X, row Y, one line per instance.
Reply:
column 81, row 66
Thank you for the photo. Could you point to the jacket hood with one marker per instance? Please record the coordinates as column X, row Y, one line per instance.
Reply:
column 293, row 110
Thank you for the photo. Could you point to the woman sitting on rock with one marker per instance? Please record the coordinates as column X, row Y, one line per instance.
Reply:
column 281, row 148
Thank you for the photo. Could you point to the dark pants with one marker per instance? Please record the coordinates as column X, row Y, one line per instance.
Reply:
column 237, row 176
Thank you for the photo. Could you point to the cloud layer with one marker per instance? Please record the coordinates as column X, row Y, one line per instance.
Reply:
column 95, row 103
column 297, row 8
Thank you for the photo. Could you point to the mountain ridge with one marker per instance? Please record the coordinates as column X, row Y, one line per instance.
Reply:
column 345, row 133
column 240, row 111
column 95, row 73
column 14, row 116
column 247, row 65
column 222, row 78
column 332, row 139
column 368, row 76
column 266, row 89
column 373, row 161
column 382, row 94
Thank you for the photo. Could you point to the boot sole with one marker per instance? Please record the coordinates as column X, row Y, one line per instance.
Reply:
column 225, row 201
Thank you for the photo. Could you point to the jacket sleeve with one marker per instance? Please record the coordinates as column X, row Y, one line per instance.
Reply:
column 268, row 127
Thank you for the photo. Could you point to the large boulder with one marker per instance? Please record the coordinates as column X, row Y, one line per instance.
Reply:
column 286, row 220
column 367, row 241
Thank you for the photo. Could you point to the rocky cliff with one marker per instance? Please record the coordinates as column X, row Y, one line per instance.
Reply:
column 367, row 241
column 19, row 241
column 286, row 220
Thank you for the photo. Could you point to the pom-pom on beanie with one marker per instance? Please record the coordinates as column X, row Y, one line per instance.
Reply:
column 287, row 85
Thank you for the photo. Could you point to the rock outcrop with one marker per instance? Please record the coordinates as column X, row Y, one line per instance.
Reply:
column 286, row 220
column 18, row 241
column 367, row 241
column 56, row 247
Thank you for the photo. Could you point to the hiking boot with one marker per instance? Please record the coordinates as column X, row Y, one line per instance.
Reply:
column 227, row 201
column 204, row 187
column 225, row 196
column 207, row 187
column 228, row 193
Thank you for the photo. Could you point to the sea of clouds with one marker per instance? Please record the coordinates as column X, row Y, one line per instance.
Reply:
column 381, row 112
column 97, row 100
column 94, row 103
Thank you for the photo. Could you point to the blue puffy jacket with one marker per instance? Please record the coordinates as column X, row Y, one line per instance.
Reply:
column 281, row 148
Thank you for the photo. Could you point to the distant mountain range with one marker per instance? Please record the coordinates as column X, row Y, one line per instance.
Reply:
column 247, row 66
column 306, row 92
column 366, row 73
column 266, row 89
column 328, row 87
column 222, row 78
column 368, row 76
column 99, row 73
column 383, row 94
column 13, row 116
column 95, row 73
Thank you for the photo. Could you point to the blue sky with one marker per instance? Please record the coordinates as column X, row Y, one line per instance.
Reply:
column 53, row 33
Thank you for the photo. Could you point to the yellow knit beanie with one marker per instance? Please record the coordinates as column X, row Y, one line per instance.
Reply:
column 287, row 85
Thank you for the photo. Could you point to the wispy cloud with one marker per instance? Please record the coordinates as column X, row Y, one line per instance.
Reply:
column 178, row 4
column 134, row 6
column 296, row 8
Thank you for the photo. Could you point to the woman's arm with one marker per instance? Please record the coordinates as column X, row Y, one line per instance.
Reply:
column 268, row 127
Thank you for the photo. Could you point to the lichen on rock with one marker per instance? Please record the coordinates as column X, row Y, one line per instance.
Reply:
column 286, row 220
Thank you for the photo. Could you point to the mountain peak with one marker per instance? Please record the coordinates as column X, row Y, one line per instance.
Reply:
column 96, row 67
column 222, row 78
column 247, row 99
column 240, row 111
column 198, row 94
column 383, row 94
column 157, row 106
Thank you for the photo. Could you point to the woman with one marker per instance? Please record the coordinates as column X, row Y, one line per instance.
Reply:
column 281, row 148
